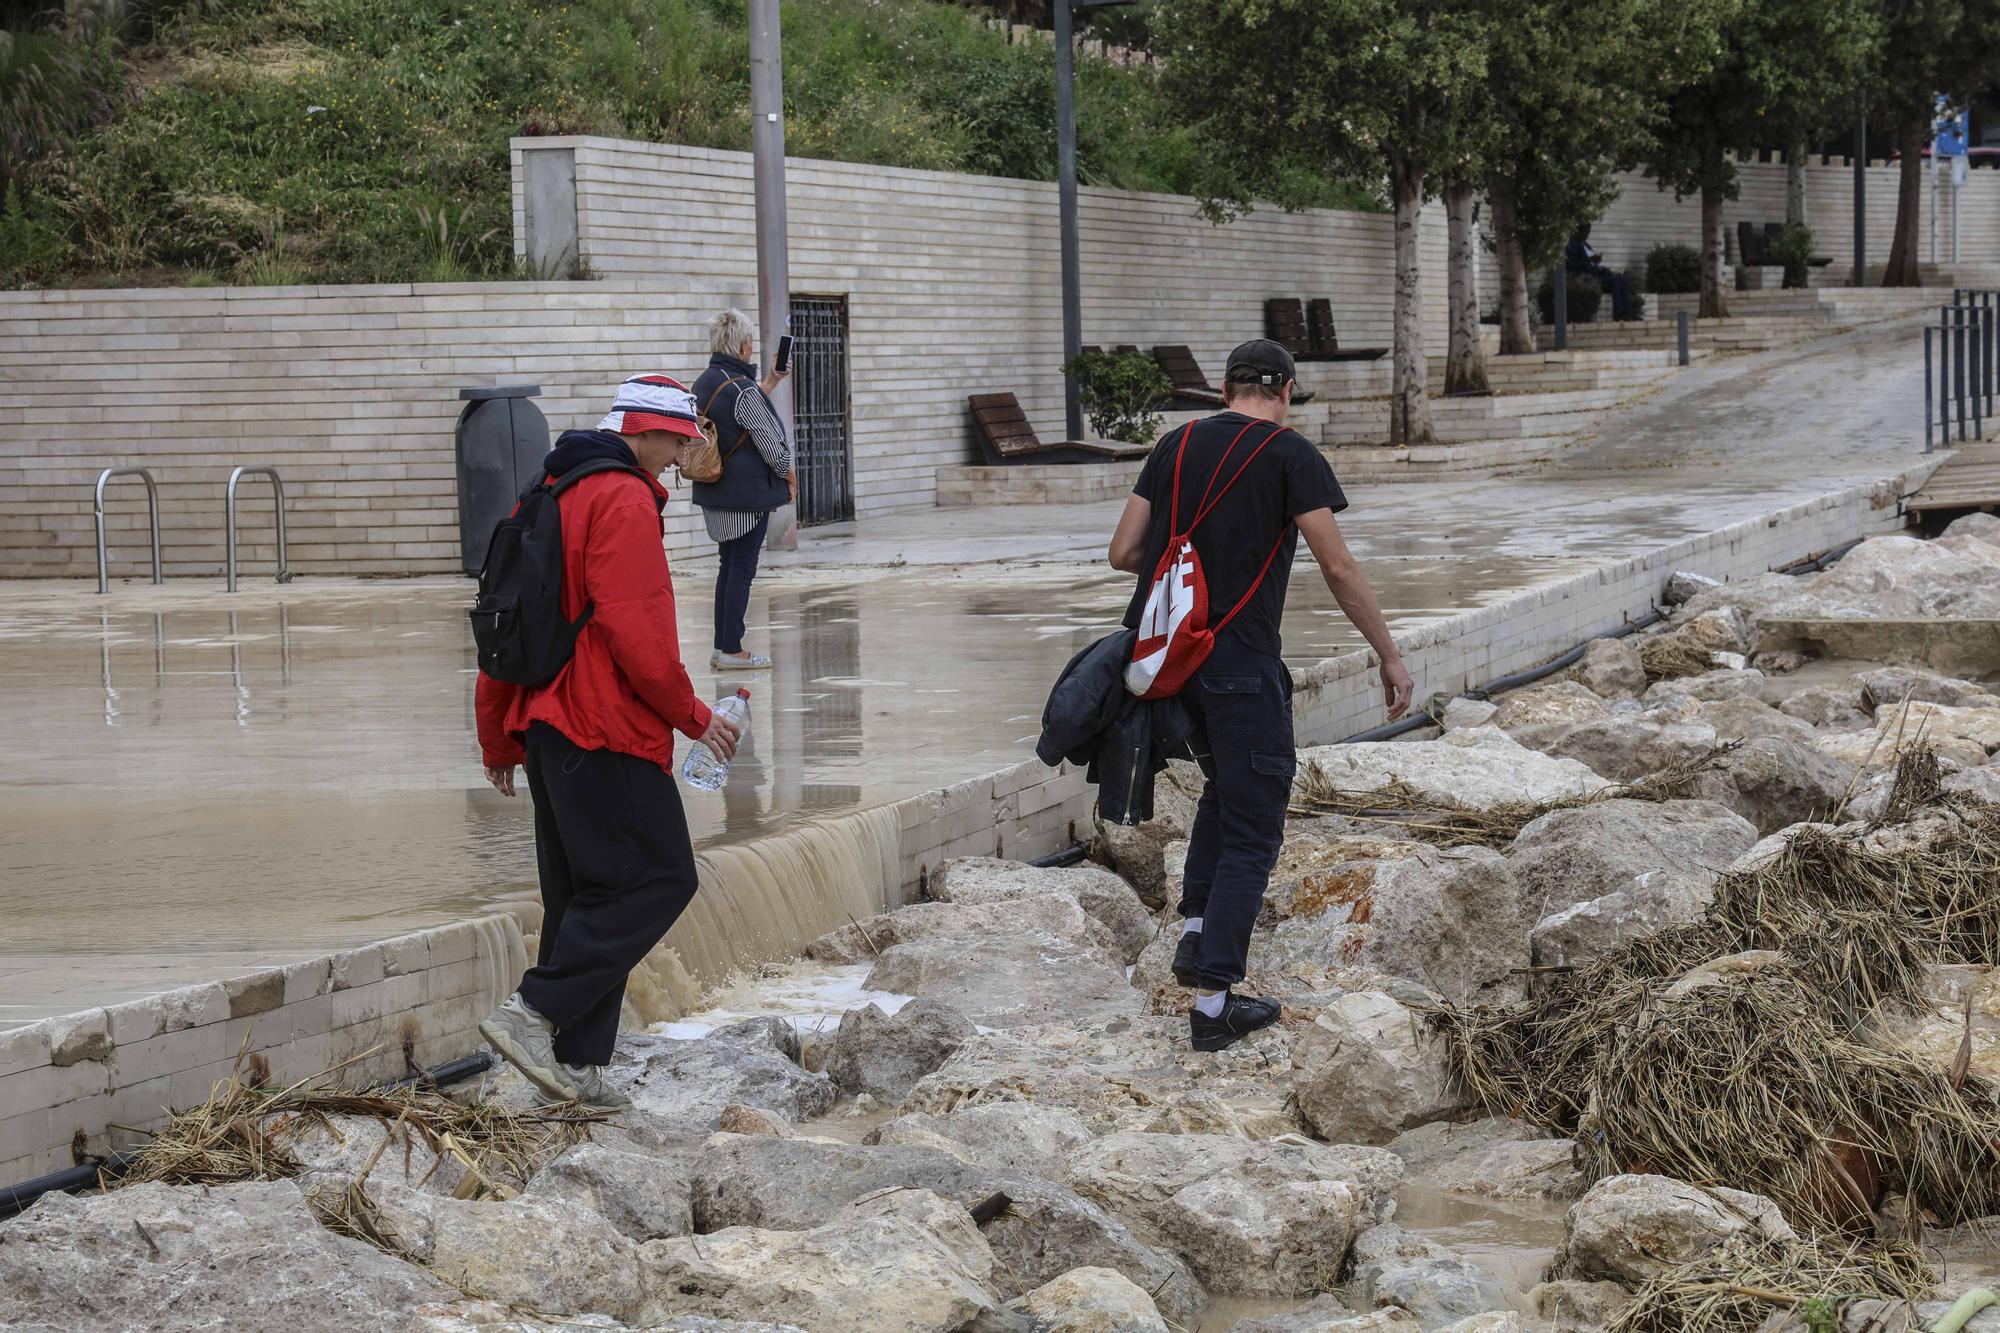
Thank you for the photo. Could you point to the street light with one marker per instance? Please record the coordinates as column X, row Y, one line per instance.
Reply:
column 1072, row 262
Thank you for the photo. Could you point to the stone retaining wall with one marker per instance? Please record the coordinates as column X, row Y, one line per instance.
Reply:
column 65, row 1081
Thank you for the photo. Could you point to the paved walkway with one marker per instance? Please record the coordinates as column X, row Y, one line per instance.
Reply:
column 196, row 783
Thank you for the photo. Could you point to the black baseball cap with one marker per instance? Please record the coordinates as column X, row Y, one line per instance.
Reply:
column 1269, row 362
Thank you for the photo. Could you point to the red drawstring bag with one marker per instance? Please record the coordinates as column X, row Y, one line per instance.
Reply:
column 1174, row 636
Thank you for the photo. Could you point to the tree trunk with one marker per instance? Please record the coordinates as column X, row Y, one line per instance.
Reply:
column 1795, row 185
column 1517, row 334
column 1713, row 304
column 1465, row 358
column 1904, row 266
column 1409, row 393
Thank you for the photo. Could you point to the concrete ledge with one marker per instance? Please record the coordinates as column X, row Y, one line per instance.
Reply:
column 1340, row 697
column 1953, row 647
column 65, row 1082
column 1035, row 483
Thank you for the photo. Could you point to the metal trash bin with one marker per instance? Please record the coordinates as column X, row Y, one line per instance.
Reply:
column 502, row 440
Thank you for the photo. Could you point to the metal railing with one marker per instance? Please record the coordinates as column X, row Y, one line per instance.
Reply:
column 1960, row 349
column 229, row 507
column 152, row 518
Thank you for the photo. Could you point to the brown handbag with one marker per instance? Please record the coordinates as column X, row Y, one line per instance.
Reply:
column 701, row 461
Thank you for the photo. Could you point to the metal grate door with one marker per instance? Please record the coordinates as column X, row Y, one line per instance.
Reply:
column 820, row 410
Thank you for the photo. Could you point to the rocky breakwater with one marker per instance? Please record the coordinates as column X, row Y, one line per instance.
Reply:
column 1685, row 956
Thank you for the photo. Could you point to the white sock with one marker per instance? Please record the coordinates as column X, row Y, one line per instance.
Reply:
column 1210, row 1006
column 1191, row 926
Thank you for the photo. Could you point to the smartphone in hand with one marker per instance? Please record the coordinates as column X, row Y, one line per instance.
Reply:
column 782, row 362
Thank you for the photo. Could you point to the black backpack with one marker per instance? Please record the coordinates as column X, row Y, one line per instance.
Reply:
column 517, row 623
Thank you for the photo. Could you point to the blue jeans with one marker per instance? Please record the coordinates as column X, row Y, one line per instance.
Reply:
column 1241, row 704
column 732, row 585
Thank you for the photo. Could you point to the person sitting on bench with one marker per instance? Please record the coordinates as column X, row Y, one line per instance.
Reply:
column 1582, row 257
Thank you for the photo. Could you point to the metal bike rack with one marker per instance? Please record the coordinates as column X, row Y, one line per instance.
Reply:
column 229, row 507
column 152, row 517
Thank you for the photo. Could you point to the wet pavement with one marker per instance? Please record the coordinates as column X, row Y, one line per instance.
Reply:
column 196, row 783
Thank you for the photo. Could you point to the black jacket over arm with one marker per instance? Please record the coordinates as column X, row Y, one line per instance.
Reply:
column 1122, row 742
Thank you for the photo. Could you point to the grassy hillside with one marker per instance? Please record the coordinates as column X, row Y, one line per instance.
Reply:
column 271, row 141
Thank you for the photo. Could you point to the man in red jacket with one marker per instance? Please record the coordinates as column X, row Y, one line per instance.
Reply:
column 611, row 841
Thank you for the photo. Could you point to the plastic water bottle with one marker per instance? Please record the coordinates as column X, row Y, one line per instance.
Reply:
column 702, row 770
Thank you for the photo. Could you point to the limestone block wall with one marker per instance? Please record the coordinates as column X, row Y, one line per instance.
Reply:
column 351, row 392
column 951, row 280
column 67, row 1081
column 1644, row 215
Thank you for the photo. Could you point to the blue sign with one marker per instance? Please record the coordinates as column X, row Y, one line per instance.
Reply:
column 1949, row 128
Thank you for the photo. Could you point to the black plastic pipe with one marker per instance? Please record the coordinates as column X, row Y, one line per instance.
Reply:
column 1068, row 856
column 17, row 1198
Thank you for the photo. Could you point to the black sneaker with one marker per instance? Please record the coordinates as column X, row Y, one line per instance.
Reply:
column 1241, row 1015
column 1184, row 958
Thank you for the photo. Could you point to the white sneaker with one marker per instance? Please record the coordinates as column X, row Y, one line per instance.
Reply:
column 748, row 662
column 526, row 1041
column 592, row 1090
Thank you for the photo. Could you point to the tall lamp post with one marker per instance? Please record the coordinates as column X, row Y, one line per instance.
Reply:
column 1861, row 195
column 767, row 157
column 1072, row 261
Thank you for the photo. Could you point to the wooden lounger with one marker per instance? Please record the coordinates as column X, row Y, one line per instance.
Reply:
column 1184, row 373
column 1006, row 437
column 1326, row 342
column 1191, row 385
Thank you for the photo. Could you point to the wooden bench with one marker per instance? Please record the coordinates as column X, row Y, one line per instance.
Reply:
column 1185, row 374
column 1192, row 386
column 1005, row 437
column 1286, row 323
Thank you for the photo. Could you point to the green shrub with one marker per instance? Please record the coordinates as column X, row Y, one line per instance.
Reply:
column 1673, row 269
column 1585, row 295
column 1122, row 394
column 1793, row 247
column 32, row 243
column 345, row 117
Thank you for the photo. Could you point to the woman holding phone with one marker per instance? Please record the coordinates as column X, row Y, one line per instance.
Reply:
column 757, row 476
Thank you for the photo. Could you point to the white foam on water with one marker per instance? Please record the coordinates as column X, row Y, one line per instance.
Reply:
column 809, row 996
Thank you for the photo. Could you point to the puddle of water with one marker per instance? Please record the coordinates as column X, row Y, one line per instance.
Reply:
column 809, row 996
column 1512, row 1239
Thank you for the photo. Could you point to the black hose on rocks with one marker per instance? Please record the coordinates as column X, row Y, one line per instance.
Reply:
column 1810, row 565
column 17, row 1198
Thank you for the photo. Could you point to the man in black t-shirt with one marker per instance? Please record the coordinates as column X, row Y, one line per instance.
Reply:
column 1258, row 487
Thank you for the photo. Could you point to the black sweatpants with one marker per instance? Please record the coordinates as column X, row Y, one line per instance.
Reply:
column 1241, row 704
column 617, row 869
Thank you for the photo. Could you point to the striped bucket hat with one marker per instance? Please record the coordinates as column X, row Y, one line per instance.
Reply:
column 651, row 402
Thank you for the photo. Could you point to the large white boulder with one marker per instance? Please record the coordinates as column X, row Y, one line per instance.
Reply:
column 794, row 1184
column 1627, row 1229
column 1612, row 868
column 1365, row 1071
column 537, row 1251
column 173, row 1258
column 1117, row 1073
column 884, row 1055
column 1453, row 920
column 1019, row 977
column 1611, row 668
column 689, row 1082
column 1394, row 1267
column 1491, row 1158
column 1900, row 577
column 1101, row 894
column 908, row 1262
column 1093, row 1300
column 1474, row 769
column 1775, row 781
column 643, row 1195
column 1005, row 1136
